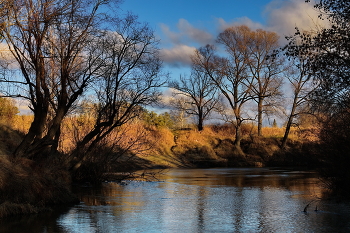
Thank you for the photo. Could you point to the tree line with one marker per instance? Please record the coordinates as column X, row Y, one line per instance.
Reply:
column 248, row 74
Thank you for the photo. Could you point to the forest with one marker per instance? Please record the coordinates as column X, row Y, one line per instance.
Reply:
column 91, row 78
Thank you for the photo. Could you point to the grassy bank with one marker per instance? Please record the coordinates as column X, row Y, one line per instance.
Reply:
column 139, row 145
column 29, row 187
column 213, row 147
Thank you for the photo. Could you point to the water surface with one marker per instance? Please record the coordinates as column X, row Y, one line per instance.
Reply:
column 199, row 200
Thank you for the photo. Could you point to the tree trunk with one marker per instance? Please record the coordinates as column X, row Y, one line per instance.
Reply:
column 286, row 133
column 260, row 117
column 34, row 134
column 290, row 121
column 237, row 142
column 200, row 121
column 91, row 137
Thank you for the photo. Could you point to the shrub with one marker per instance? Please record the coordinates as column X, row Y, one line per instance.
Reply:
column 26, row 187
column 8, row 110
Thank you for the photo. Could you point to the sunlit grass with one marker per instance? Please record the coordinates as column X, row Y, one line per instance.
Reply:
column 133, row 145
column 173, row 147
column 22, row 123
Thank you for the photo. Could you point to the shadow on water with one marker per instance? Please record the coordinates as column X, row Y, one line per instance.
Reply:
column 198, row 200
column 34, row 223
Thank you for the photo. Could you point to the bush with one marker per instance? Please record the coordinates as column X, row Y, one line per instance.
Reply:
column 26, row 187
column 335, row 151
column 8, row 110
column 159, row 120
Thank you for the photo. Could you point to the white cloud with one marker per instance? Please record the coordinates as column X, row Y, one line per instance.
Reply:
column 222, row 24
column 168, row 96
column 187, row 33
column 195, row 34
column 178, row 55
column 183, row 42
column 174, row 37
column 284, row 16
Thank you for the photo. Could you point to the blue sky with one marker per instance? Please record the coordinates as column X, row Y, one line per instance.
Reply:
column 201, row 12
column 184, row 25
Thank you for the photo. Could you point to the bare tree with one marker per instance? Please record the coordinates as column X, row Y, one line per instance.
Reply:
column 128, row 78
column 265, row 67
column 180, row 104
column 200, row 93
column 48, row 40
column 302, row 85
column 230, row 75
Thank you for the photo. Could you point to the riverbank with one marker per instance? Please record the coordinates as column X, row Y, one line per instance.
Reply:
column 27, row 187
column 31, row 187
column 213, row 147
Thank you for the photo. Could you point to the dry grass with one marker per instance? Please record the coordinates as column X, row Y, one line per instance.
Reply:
column 22, row 123
column 203, row 148
column 161, row 141
column 161, row 146
column 274, row 132
column 26, row 187
column 9, row 140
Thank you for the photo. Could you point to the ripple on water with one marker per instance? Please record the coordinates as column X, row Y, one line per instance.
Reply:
column 203, row 200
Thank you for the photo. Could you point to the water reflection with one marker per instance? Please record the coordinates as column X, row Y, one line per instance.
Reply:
column 205, row 200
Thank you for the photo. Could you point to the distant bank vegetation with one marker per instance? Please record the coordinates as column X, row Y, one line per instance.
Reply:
column 159, row 140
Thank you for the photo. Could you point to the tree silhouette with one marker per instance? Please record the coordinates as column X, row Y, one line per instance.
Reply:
column 200, row 93
column 327, row 52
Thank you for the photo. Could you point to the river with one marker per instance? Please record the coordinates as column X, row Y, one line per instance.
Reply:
column 198, row 200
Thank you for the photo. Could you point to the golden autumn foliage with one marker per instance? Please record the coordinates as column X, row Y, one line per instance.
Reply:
column 151, row 146
column 135, row 145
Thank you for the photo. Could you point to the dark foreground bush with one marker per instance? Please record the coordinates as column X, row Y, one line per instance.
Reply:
column 335, row 136
column 26, row 187
column 335, row 168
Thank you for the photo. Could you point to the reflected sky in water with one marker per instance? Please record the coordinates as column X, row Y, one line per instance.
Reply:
column 204, row 200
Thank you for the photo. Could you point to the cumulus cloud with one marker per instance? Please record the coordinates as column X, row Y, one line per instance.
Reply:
column 284, row 16
column 168, row 96
column 172, row 36
column 222, row 24
column 186, row 33
column 195, row 34
column 183, row 42
column 178, row 55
